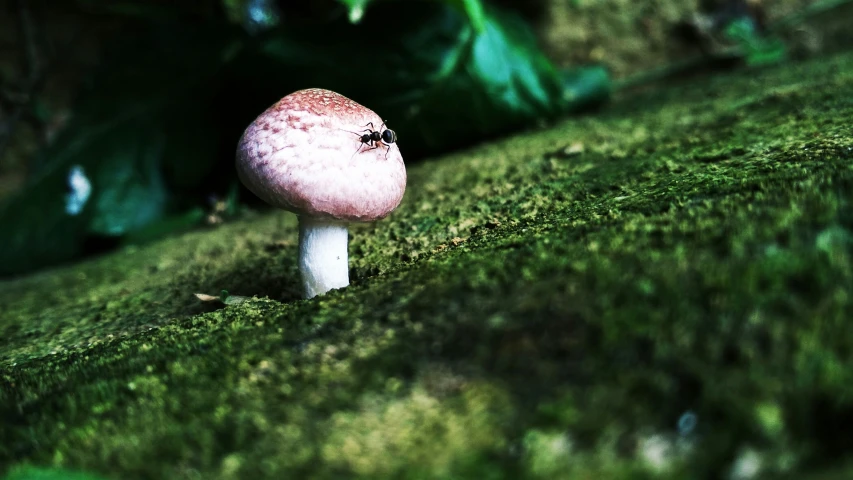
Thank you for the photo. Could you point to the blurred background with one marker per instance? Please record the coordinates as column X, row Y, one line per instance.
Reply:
column 119, row 119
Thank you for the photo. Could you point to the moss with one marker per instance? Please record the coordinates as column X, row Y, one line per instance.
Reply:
column 420, row 432
column 542, row 305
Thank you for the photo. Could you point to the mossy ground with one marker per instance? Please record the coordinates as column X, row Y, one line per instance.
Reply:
column 531, row 311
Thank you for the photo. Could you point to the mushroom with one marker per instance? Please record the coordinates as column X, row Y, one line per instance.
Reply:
column 317, row 154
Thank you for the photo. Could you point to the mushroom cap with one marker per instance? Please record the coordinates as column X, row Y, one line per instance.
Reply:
column 304, row 154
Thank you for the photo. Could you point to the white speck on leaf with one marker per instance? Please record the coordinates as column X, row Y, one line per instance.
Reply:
column 80, row 188
column 356, row 13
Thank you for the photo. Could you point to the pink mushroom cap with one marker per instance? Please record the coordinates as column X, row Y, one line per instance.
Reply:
column 304, row 154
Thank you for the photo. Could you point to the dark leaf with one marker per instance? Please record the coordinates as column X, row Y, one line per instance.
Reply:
column 143, row 128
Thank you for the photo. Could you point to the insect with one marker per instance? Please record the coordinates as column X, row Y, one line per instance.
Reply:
column 375, row 138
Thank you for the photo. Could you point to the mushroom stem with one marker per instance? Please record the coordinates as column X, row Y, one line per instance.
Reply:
column 322, row 255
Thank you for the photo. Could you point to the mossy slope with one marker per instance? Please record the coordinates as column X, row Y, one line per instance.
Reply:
column 531, row 311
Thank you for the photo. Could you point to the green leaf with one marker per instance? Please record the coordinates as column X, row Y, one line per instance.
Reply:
column 756, row 48
column 473, row 10
column 356, row 9
column 144, row 125
column 34, row 473
column 584, row 86
column 441, row 83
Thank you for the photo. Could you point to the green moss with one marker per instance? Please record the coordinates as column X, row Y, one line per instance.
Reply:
column 419, row 432
column 531, row 311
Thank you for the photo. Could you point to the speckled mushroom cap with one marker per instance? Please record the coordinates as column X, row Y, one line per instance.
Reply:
column 300, row 155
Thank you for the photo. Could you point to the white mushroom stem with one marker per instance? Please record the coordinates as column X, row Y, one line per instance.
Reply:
column 323, row 257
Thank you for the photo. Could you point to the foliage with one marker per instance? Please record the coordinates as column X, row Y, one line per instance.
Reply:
column 473, row 9
column 141, row 134
column 33, row 473
column 757, row 49
column 154, row 134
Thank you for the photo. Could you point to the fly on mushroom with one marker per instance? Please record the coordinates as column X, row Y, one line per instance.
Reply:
column 374, row 138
